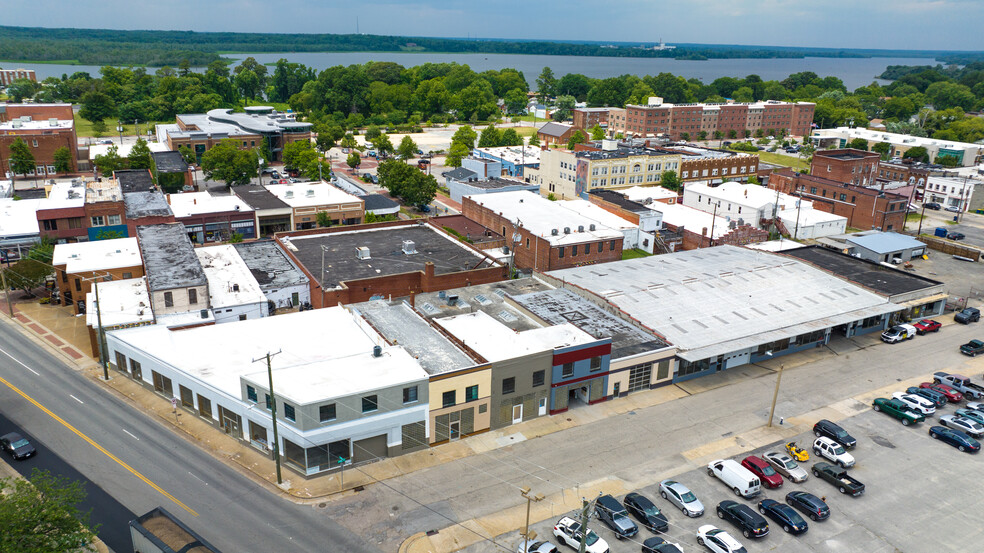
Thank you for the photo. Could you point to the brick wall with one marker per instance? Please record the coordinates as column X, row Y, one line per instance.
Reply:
column 864, row 208
column 47, row 142
column 847, row 165
column 80, row 284
column 700, row 238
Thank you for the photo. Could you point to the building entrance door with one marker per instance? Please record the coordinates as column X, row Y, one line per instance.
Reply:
column 454, row 430
column 517, row 413
column 543, row 407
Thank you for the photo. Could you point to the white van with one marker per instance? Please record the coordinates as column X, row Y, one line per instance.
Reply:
column 736, row 477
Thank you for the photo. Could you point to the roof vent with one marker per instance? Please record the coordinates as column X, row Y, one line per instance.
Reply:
column 580, row 228
column 554, row 232
column 235, row 287
column 591, row 226
column 567, row 230
column 409, row 247
column 310, row 193
column 452, row 299
column 204, row 313
column 362, row 252
column 289, row 194
column 377, row 351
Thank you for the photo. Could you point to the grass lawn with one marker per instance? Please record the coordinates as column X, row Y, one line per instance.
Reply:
column 634, row 253
column 524, row 131
column 84, row 128
column 779, row 159
column 914, row 217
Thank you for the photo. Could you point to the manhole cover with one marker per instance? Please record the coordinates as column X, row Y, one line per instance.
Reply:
column 322, row 505
column 883, row 442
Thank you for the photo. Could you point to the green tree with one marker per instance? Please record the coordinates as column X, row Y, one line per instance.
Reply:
column 576, row 138
column 236, row 238
column 465, row 135
column 670, row 180
column 407, row 183
column 917, row 153
column 63, row 160
column 43, row 250
column 753, row 179
column 322, row 219
column 946, row 95
column 457, row 152
column 248, row 84
column 227, row 163
column 42, row 514
column 597, row 133
column 685, row 136
column 328, row 136
column 296, row 154
column 744, row 94
column 534, row 140
column 21, row 89
column 99, row 128
column 882, row 148
column 348, row 141
column 564, row 109
column 490, row 137
column 187, row 153
column 732, row 134
column 702, row 135
column 27, row 274
column 510, row 138
column 858, row 144
column 110, row 161
column 139, row 157
column 546, row 84
column 21, row 159
column 407, row 148
column 383, row 144
column 515, row 101
column 353, row 160
column 372, row 132
column 96, row 106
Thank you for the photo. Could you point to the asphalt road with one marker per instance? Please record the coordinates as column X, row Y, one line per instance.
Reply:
column 142, row 464
column 103, row 509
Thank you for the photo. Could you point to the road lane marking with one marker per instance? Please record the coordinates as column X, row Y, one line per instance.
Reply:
column 76, row 399
column 131, row 435
column 197, row 478
column 18, row 361
column 93, row 443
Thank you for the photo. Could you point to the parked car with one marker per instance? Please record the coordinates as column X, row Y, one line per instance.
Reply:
column 938, row 399
column 681, row 496
column 952, row 209
column 956, row 438
column 915, row 403
column 741, row 480
column 976, row 405
column 898, row 333
column 424, row 208
column 809, row 504
column 839, row 477
column 825, row 428
column 536, row 546
column 968, row 315
column 897, row 409
column 646, row 512
column 825, row 447
column 952, row 395
column 614, row 515
column 569, row 532
column 786, row 466
column 969, row 426
column 927, row 325
column 659, row 545
column 744, row 517
column 784, row 515
column 933, row 205
column 972, row 348
column 961, row 384
column 718, row 540
column 17, row 446
column 972, row 414
column 761, row 468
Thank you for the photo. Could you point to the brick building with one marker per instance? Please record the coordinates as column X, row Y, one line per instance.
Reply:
column 585, row 119
column 77, row 266
column 209, row 218
column 8, row 76
column 732, row 120
column 903, row 172
column 848, row 165
column 61, row 216
column 144, row 203
column 307, row 199
column 258, row 127
column 555, row 134
column 714, row 166
column 549, row 236
column 105, row 211
column 45, row 128
column 864, row 208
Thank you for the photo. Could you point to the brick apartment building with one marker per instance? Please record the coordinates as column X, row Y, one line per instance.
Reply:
column 902, row 172
column 549, row 236
column 8, row 76
column 864, row 208
column 848, row 165
column 678, row 121
column 557, row 134
column 45, row 128
column 585, row 119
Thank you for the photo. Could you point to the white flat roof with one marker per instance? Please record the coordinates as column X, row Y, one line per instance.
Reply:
column 808, row 216
column 597, row 214
column 894, row 138
column 325, row 354
column 542, row 216
column 35, row 124
column 196, row 203
column 64, row 195
column 713, row 301
column 496, row 342
column 305, row 194
column 517, row 155
column 98, row 255
column 123, row 150
column 642, row 193
column 743, row 193
column 230, row 282
column 19, row 217
column 692, row 219
column 123, row 302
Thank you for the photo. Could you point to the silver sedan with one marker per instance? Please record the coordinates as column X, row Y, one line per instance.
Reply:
column 786, row 466
column 681, row 496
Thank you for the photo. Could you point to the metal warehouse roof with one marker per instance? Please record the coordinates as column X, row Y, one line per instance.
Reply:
column 886, row 242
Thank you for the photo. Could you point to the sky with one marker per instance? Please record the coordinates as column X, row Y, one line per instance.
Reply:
column 888, row 24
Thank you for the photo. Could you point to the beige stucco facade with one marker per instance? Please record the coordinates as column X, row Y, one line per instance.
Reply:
column 465, row 415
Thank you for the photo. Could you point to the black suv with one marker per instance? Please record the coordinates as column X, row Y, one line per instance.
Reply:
column 932, row 205
column 827, row 429
column 645, row 512
column 811, row 505
column 612, row 513
column 969, row 315
column 752, row 524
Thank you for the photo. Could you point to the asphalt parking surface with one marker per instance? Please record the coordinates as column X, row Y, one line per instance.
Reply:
column 921, row 495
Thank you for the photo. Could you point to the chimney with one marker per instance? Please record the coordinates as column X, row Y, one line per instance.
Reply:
column 194, row 201
column 168, row 196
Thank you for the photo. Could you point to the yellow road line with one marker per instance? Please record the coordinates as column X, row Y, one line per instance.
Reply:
column 99, row 447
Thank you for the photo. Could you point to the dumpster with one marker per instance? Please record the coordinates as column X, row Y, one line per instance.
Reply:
column 940, row 231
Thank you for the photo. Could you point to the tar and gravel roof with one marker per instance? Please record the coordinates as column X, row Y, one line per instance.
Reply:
column 134, row 180
column 869, row 274
column 714, row 301
column 269, row 265
column 259, row 198
column 169, row 162
column 230, row 282
column 169, row 257
column 146, row 204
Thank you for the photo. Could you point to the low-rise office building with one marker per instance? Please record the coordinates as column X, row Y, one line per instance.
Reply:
column 307, row 199
column 79, row 265
column 966, row 154
column 283, row 283
column 258, row 127
column 343, row 396
column 458, row 187
column 864, row 208
column 211, row 218
column 233, row 293
column 19, row 227
column 272, row 215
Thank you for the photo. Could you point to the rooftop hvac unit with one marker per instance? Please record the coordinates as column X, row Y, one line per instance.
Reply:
column 310, row 193
column 53, row 121
column 505, row 249
column 377, row 351
column 732, row 224
column 235, row 287
column 442, row 294
column 289, row 194
column 567, row 230
column 452, row 299
column 580, row 228
column 17, row 124
column 591, row 226
column 409, row 247
column 204, row 313
column 362, row 252
column 554, row 232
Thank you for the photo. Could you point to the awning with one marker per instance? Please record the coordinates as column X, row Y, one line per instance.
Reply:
column 923, row 301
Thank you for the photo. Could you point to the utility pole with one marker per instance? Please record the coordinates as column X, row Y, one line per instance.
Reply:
column 6, row 292
column 775, row 395
column 922, row 215
column 103, row 353
column 583, row 519
column 273, row 412
column 525, row 492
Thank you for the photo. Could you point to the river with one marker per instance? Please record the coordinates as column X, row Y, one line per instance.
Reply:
column 855, row 72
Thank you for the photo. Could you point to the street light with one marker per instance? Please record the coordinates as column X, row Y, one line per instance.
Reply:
column 119, row 128
column 525, row 492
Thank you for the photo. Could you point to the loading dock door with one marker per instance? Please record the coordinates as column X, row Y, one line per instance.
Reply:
column 369, row 449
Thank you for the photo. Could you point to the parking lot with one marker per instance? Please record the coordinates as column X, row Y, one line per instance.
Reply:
column 921, row 496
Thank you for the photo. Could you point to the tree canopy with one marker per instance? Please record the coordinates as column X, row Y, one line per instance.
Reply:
column 227, row 163
column 407, row 182
column 41, row 515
